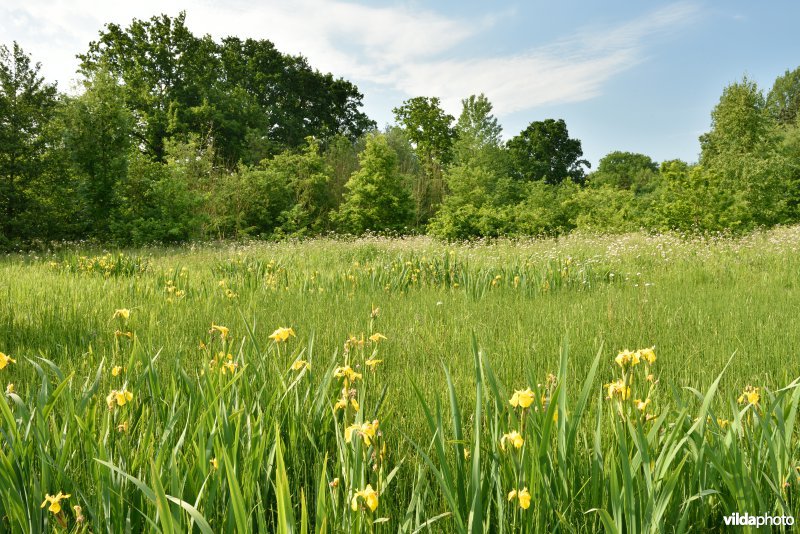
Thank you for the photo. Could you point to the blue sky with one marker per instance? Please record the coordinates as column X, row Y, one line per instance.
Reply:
column 624, row 75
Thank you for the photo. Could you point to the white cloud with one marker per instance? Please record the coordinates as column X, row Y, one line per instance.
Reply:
column 414, row 51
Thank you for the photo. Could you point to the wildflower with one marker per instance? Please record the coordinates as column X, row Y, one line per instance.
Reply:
column 116, row 370
column 522, row 398
column 372, row 363
column 370, row 497
column 299, row 365
column 118, row 398
column 202, row 346
column 466, row 453
column 5, row 360
column 214, row 463
column 618, row 388
column 229, row 366
column 523, row 496
column 346, row 372
column 514, row 438
column 123, row 313
column 648, row 355
column 626, row 358
column 221, row 283
column 375, row 312
column 376, row 337
column 353, row 341
column 124, row 427
column 723, row 423
column 365, row 430
column 641, row 405
column 55, row 501
column 750, row 395
column 120, row 333
column 281, row 334
column 334, row 483
column 9, row 389
column 78, row 514
column 231, row 294
column 223, row 331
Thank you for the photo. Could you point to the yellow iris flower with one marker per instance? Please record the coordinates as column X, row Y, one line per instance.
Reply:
column 346, row 372
column 370, row 497
column 5, row 360
column 282, row 334
column 618, row 389
column 54, row 501
column 750, row 395
column 514, row 437
column 116, row 370
column 522, row 398
column 372, row 363
column 648, row 355
column 118, row 398
column 523, row 496
column 223, row 331
column 366, row 431
column 123, row 313
column 626, row 358
column 299, row 365
column 376, row 337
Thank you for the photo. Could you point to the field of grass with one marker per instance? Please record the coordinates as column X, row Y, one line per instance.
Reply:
column 153, row 419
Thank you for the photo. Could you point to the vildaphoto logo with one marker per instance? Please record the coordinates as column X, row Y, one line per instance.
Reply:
column 744, row 520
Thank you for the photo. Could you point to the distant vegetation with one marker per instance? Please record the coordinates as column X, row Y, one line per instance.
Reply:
column 177, row 137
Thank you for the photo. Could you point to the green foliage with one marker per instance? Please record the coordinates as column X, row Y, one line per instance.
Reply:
column 626, row 170
column 783, row 100
column 544, row 151
column 27, row 106
column 376, row 199
column 98, row 131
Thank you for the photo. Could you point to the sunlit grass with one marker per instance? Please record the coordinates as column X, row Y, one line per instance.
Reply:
column 194, row 441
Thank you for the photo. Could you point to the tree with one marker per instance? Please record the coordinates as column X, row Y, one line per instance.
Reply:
column 98, row 134
column 626, row 170
column 544, row 151
column 27, row 105
column 431, row 131
column 251, row 99
column 376, row 199
column 783, row 100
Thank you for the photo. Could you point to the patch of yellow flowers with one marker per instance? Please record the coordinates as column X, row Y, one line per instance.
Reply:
column 5, row 360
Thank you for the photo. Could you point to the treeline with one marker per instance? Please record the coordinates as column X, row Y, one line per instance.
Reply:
column 177, row 137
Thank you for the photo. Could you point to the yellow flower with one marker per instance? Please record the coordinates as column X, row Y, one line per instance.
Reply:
column 282, row 334
column 120, row 333
column 346, row 372
column 522, row 495
column 372, row 363
column 223, row 331
column 5, row 360
column 299, row 365
column 124, row 313
column 124, row 427
column 376, row 337
column 514, row 438
column 750, row 395
column 366, row 431
column 229, row 366
column 214, row 463
column 118, row 398
column 723, row 423
column 221, row 283
column 370, row 497
column 619, row 389
column 9, row 389
column 522, row 398
column 648, row 355
column 375, row 312
column 116, row 370
column 341, row 404
column 626, row 358
column 54, row 501
column 641, row 405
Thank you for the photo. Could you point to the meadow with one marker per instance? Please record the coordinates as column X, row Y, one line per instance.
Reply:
column 634, row 383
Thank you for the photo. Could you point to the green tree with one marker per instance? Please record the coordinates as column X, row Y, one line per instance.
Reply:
column 545, row 151
column 98, row 135
column 431, row 132
column 783, row 100
column 626, row 170
column 376, row 199
column 27, row 107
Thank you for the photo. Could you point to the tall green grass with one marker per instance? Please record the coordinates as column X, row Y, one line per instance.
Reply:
column 253, row 442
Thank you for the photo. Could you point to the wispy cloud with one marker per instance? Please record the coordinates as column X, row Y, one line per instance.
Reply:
column 411, row 51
